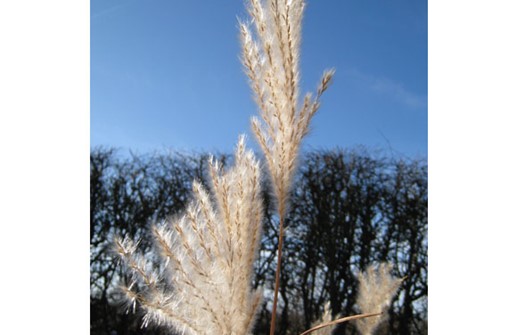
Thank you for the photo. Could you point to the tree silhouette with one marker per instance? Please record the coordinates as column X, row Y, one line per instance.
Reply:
column 349, row 208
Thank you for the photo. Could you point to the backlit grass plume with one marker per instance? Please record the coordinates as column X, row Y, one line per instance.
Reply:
column 326, row 317
column 271, row 57
column 209, row 252
column 377, row 288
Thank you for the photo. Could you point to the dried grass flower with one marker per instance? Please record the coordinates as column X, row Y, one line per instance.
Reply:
column 377, row 288
column 209, row 252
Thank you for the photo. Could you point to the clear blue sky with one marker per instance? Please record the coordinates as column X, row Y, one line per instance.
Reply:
column 166, row 74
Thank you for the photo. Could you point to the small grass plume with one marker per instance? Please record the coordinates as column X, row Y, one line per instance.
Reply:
column 377, row 288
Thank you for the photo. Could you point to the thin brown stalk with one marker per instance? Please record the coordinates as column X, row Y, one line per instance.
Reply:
column 277, row 274
column 335, row 322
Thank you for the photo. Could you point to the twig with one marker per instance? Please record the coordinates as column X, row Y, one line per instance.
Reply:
column 335, row 322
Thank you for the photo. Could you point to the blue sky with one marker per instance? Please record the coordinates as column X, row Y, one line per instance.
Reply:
column 166, row 74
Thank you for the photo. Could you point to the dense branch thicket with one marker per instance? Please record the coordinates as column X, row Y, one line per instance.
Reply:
column 348, row 209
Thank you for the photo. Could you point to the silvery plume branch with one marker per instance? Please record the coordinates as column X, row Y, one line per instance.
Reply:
column 209, row 253
column 377, row 288
column 271, row 57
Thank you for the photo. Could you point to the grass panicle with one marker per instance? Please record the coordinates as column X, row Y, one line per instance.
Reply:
column 271, row 57
column 377, row 288
column 209, row 252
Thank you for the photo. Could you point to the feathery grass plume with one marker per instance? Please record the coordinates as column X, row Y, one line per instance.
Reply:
column 326, row 317
column 209, row 253
column 377, row 288
column 271, row 57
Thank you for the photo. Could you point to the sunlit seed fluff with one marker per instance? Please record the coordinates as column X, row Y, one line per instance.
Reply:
column 208, row 255
column 377, row 288
column 271, row 57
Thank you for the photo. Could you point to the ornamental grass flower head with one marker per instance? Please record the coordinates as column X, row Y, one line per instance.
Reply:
column 208, row 252
column 271, row 58
column 377, row 288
